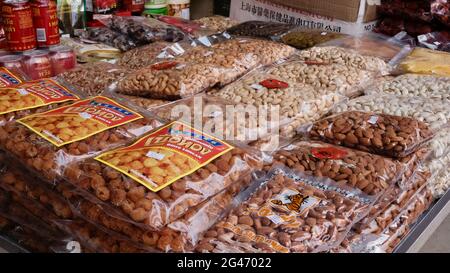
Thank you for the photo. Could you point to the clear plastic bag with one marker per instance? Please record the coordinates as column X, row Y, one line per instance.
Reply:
column 260, row 29
column 94, row 78
column 217, row 23
column 35, row 97
column 439, row 184
column 193, row 28
column 440, row 9
column 348, row 81
column 109, row 37
column 142, row 56
column 347, row 57
column 145, row 103
column 306, row 38
column 434, row 112
column 426, row 61
column 49, row 160
column 414, row 85
column 435, row 40
column 370, row 173
column 440, row 144
column 382, row 134
column 289, row 212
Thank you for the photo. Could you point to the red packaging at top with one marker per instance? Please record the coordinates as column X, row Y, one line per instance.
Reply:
column 18, row 25
column 45, row 22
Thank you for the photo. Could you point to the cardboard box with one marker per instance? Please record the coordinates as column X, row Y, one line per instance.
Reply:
column 267, row 10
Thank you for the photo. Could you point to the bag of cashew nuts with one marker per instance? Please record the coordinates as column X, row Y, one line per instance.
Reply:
column 414, row 85
column 94, row 78
column 347, row 57
column 47, row 142
column 162, row 175
column 434, row 112
column 391, row 204
column 370, row 173
column 289, row 212
column 35, row 97
column 11, row 77
column 382, row 134
column 348, row 81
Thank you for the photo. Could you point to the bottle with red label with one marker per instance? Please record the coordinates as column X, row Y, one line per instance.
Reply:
column 62, row 58
column 18, row 25
column 45, row 22
column 37, row 64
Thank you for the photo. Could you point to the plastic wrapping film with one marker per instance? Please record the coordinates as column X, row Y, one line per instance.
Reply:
column 49, row 160
column 305, row 38
column 109, row 37
column 439, row 169
column 382, row 134
column 347, row 57
column 435, row 112
column 426, row 61
column 94, row 78
column 217, row 22
column 440, row 9
column 298, row 103
column 193, row 28
column 169, row 191
column 439, row 184
column 142, row 56
column 414, row 85
column 435, row 40
column 260, row 29
column 35, row 97
column 389, row 238
column 370, row 173
column 289, row 212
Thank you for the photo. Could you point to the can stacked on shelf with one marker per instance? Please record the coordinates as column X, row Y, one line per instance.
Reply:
column 45, row 22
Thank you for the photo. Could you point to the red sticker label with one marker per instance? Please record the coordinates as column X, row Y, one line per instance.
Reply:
column 164, row 65
column 274, row 84
column 328, row 153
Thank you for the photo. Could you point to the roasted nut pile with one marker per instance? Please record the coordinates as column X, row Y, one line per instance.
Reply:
column 288, row 213
column 415, row 85
column 434, row 112
column 217, row 23
column 370, row 173
column 142, row 56
column 49, row 161
column 338, row 55
column 157, row 209
column 348, row 81
column 381, row 134
column 94, row 78
column 302, row 39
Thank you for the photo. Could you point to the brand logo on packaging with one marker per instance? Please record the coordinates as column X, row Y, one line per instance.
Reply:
column 7, row 78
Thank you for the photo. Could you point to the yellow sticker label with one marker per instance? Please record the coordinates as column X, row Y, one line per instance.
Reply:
column 79, row 120
column 32, row 95
column 165, row 155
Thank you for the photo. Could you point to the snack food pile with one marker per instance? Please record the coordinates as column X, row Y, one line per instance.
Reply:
column 256, row 138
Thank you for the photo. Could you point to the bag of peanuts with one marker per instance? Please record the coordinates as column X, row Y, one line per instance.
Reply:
column 158, row 178
column 347, row 57
column 11, row 77
column 434, row 112
column 289, row 212
column 47, row 142
column 34, row 97
column 382, row 134
column 414, row 85
column 94, row 78
column 348, row 81
column 370, row 173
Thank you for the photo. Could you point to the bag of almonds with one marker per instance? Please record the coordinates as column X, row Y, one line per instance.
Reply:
column 35, row 97
column 370, row 173
column 382, row 134
column 47, row 142
column 157, row 179
column 289, row 212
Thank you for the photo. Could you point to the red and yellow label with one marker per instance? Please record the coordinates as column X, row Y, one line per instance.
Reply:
column 328, row 153
column 164, row 65
column 79, row 120
column 32, row 95
column 7, row 78
column 166, row 155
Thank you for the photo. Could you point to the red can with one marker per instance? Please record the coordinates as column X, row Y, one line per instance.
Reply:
column 45, row 22
column 12, row 62
column 63, row 58
column 37, row 64
column 135, row 6
column 18, row 25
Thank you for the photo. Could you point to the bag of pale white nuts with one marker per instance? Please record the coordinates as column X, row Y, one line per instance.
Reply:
column 381, row 134
column 289, row 212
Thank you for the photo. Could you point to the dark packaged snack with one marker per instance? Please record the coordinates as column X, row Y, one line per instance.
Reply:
column 440, row 9
column 260, row 29
column 436, row 41
column 109, row 37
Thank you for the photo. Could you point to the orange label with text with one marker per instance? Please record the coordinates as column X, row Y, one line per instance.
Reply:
column 166, row 155
column 32, row 95
column 7, row 78
column 79, row 120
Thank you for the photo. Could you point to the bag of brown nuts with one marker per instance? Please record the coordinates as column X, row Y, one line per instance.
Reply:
column 47, row 142
column 289, row 212
column 161, row 176
column 35, row 97
column 387, row 135
column 370, row 173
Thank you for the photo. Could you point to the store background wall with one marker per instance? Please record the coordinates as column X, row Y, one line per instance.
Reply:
column 202, row 8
